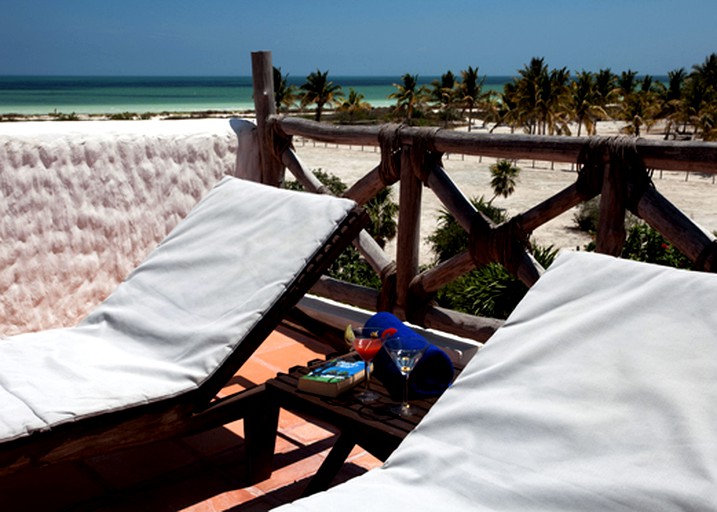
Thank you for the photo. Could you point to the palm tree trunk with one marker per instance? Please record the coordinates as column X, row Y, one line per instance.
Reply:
column 317, row 114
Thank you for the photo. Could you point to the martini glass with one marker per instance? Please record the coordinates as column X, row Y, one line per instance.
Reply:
column 367, row 342
column 405, row 353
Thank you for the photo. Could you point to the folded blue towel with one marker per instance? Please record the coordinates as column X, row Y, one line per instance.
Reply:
column 431, row 376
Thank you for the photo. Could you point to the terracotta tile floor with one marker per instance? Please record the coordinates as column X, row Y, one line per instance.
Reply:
column 195, row 473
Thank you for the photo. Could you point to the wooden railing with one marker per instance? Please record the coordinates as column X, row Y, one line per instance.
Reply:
column 614, row 168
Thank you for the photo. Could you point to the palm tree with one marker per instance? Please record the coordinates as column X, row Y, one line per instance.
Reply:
column 605, row 87
column 444, row 95
column 382, row 211
column 554, row 102
column 632, row 104
column 508, row 112
column 354, row 104
column 627, row 83
column 320, row 90
column 675, row 82
column 527, row 92
column 706, row 73
column 504, row 177
column 470, row 92
column 284, row 93
column 701, row 91
column 409, row 96
column 672, row 98
column 586, row 102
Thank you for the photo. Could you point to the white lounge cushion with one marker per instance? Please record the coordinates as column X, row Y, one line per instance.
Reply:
column 599, row 393
column 177, row 317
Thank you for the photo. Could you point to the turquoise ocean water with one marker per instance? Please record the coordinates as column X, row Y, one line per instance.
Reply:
column 109, row 95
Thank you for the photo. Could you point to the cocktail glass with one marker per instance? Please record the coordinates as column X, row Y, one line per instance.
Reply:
column 405, row 353
column 367, row 342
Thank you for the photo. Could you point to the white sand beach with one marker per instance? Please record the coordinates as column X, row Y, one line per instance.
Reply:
column 81, row 203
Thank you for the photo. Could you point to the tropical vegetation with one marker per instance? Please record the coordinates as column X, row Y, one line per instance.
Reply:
column 382, row 211
column 540, row 100
column 321, row 91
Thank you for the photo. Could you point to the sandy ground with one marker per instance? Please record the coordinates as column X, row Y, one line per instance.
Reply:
column 694, row 194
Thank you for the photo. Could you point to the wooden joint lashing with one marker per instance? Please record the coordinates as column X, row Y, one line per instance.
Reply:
column 277, row 139
column 504, row 244
column 389, row 141
column 620, row 157
column 424, row 154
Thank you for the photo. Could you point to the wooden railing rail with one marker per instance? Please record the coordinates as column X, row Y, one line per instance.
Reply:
column 614, row 168
column 691, row 156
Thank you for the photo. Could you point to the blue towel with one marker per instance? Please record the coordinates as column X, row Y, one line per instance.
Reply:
column 431, row 376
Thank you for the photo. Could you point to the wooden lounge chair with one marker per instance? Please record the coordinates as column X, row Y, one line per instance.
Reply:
column 598, row 393
column 147, row 363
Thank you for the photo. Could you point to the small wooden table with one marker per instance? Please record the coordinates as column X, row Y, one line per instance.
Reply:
column 371, row 426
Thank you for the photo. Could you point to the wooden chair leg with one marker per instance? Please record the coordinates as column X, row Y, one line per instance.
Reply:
column 260, row 428
column 331, row 465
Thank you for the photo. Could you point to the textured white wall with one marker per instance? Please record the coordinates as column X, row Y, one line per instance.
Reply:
column 81, row 203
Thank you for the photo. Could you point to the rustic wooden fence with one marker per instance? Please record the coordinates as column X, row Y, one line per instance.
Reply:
column 615, row 168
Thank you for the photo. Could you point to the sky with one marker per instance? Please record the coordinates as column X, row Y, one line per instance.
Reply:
column 367, row 37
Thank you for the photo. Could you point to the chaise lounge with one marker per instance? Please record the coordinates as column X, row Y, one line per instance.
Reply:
column 598, row 393
column 148, row 362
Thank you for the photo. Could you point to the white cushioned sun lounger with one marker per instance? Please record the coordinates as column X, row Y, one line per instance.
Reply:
column 599, row 393
column 158, row 349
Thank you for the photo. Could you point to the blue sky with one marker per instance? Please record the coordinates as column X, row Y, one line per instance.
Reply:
column 367, row 37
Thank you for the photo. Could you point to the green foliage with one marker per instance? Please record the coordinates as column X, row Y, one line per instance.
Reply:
column 490, row 290
column 285, row 94
column 331, row 181
column 320, row 90
column 410, row 98
column 123, row 116
column 59, row 116
column 382, row 211
column 449, row 238
column 504, row 177
column 588, row 215
column 643, row 243
column 487, row 291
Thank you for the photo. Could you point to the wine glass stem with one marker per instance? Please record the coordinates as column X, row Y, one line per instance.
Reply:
column 368, row 373
column 405, row 392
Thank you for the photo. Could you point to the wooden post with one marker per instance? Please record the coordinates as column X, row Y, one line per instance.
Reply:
column 409, row 226
column 272, row 170
column 611, row 229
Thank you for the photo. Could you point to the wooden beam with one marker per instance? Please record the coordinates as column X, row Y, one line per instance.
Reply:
column 665, row 155
column 409, row 226
column 272, row 170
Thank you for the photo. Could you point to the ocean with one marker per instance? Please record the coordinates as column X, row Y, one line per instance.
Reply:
column 113, row 95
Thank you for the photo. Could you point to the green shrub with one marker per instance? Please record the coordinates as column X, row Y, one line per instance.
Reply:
column 644, row 243
column 382, row 210
column 65, row 117
column 123, row 116
column 490, row 290
column 588, row 215
column 449, row 238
